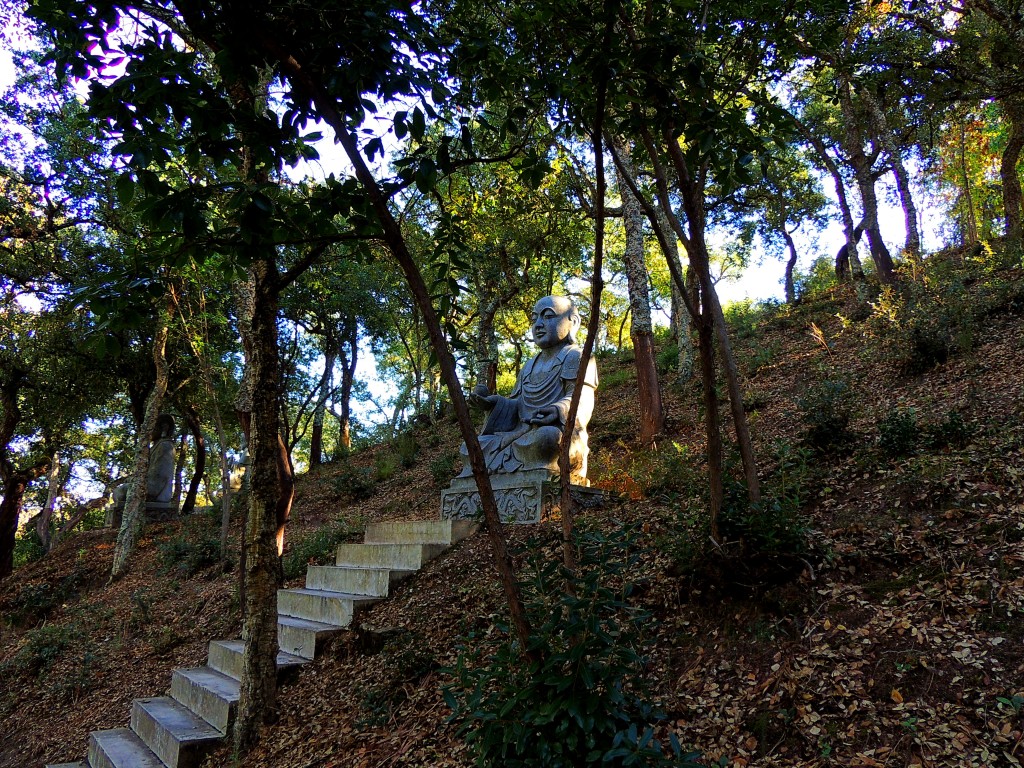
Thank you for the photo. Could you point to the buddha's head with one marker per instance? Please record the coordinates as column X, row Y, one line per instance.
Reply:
column 554, row 322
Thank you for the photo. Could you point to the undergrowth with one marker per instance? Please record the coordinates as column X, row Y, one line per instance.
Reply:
column 582, row 700
column 318, row 547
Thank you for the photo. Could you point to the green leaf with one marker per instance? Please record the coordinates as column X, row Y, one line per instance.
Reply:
column 125, row 187
column 426, row 175
column 419, row 124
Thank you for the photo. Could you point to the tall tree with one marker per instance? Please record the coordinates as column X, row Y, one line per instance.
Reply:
column 652, row 415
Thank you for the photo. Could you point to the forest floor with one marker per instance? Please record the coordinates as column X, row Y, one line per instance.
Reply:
column 893, row 637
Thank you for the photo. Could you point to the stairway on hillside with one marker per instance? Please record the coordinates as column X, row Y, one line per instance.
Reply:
column 177, row 731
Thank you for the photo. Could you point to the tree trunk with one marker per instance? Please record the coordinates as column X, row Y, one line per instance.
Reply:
column 349, row 359
column 970, row 219
column 692, row 191
column 45, row 516
column 1013, row 109
column 192, row 419
column 179, row 470
column 680, row 318
column 884, row 136
column 316, row 437
column 866, row 184
column 486, row 347
column 10, row 509
column 847, row 258
column 652, row 417
column 258, row 694
column 134, row 516
column 790, row 266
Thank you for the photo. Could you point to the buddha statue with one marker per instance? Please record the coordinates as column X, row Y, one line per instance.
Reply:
column 524, row 431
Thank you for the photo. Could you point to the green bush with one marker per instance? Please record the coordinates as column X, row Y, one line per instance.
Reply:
column 924, row 323
column 762, row 356
column 775, row 527
column 34, row 602
column 384, row 467
column 193, row 550
column 898, row 433
column 820, row 278
column 443, row 467
column 666, row 472
column 583, row 700
column 617, row 377
column 746, row 317
column 668, row 358
column 355, row 483
column 317, row 548
column 826, row 414
column 952, row 432
column 28, row 548
column 44, row 646
column 407, row 449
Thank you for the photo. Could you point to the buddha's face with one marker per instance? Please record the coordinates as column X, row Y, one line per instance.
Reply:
column 554, row 321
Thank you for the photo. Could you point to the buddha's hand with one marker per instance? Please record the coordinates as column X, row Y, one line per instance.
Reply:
column 480, row 398
column 545, row 416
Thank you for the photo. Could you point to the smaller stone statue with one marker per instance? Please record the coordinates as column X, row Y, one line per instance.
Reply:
column 160, row 477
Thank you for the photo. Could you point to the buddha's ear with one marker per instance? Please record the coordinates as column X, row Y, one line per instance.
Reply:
column 575, row 317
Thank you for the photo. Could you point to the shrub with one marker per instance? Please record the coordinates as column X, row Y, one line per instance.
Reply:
column 668, row 358
column 820, row 278
column 762, row 356
column 443, row 467
column 826, row 413
column 952, row 431
column 924, row 323
column 385, row 467
column 666, row 471
column 898, row 433
column 583, row 702
column 28, row 548
column 775, row 527
column 354, row 483
column 317, row 548
column 617, row 377
column 194, row 549
column 35, row 601
column 44, row 646
column 407, row 448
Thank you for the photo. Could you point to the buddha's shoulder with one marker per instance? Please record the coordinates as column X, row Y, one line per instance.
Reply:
column 570, row 358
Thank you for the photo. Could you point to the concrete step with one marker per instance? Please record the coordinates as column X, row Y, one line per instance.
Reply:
column 302, row 636
column 320, row 605
column 208, row 693
column 419, row 532
column 371, row 582
column 120, row 748
column 175, row 734
column 226, row 657
column 402, row 557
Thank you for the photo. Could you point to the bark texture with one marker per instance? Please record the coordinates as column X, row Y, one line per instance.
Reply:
column 258, row 695
column 652, row 416
column 1013, row 108
column 862, row 167
column 885, row 137
column 134, row 518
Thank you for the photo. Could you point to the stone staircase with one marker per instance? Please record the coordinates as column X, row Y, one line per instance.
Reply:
column 177, row 731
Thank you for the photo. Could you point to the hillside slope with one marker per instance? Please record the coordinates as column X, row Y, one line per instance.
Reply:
column 893, row 636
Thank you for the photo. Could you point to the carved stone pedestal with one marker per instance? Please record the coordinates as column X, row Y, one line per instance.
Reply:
column 161, row 511
column 522, row 497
